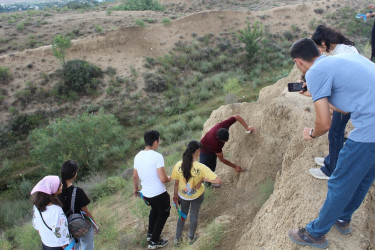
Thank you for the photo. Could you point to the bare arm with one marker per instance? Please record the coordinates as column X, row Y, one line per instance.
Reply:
column 322, row 119
column 162, row 175
column 175, row 192
column 86, row 210
column 135, row 182
column 243, row 123
column 229, row 163
column 216, row 181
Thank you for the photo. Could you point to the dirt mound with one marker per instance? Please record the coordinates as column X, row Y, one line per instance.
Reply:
column 277, row 151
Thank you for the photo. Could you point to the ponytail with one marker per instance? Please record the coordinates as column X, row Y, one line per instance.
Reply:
column 187, row 158
column 68, row 171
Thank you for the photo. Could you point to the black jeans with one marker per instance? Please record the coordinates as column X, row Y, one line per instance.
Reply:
column 44, row 247
column 160, row 209
column 209, row 160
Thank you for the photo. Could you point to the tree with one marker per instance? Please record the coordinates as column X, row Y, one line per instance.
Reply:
column 251, row 37
column 88, row 139
column 60, row 45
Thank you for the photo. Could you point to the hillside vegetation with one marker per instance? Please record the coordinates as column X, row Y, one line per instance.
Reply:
column 166, row 68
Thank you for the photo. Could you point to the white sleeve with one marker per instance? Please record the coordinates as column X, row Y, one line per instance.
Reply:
column 35, row 223
column 159, row 161
column 60, row 227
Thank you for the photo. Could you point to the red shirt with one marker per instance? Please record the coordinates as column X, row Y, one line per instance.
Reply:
column 210, row 143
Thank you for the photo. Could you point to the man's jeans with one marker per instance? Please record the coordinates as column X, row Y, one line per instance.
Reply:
column 347, row 187
column 160, row 209
column 86, row 242
column 336, row 141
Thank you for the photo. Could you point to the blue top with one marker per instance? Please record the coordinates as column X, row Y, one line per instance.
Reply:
column 348, row 81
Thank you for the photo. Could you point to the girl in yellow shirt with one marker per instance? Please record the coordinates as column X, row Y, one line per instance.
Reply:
column 188, row 189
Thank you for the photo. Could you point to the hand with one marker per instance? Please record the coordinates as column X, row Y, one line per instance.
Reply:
column 175, row 199
column 238, row 169
column 136, row 193
column 368, row 15
column 251, row 128
column 306, row 134
column 306, row 92
column 199, row 184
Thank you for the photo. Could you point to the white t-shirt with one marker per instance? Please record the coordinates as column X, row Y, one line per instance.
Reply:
column 146, row 162
column 344, row 49
column 55, row 218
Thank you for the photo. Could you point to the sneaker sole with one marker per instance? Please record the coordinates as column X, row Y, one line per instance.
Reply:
column 319, row 177
column 157, row 246
column 316, row 245
column 343, row 231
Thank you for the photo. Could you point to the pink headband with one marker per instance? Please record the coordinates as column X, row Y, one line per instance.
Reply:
column 49, row 185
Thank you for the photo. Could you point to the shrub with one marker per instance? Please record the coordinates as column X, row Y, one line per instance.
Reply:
column 319, row 11
column 23, row 123
column 154, row 82
column 60, row 45
column 13, row 212
column 20, row 26
column 88, row 138
column 166, row 21
column 80, row 77
column 140, row 23
column 108, row 187
column 98, row 28
column 25, row 236
column 231, row 85
column 141, row 5
column 250, row 37
column 4, row 243
column 5, row 75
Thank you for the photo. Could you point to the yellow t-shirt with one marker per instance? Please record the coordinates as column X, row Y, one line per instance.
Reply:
column 198, row 172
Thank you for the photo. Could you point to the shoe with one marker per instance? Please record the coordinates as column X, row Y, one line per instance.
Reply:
column 216, row 185
column 317, row 173
column 194, row 239
column 343, row 226
column 177, row 242
column 158, row 244
column 303, row 238
column 149, row 237
column 319, row 161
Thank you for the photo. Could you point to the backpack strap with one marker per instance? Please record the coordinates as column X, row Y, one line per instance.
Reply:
column 73, row 200
column 43, row 219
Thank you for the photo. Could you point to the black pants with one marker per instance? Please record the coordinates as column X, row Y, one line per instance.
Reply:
column 160, row 209
column 209, row 160
column 44, row 247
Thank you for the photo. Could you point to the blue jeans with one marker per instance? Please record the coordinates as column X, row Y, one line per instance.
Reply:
column 347, row 187
column 86, row 242
column 336, row 141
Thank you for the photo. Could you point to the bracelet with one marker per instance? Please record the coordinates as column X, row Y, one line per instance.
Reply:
column 311, row 132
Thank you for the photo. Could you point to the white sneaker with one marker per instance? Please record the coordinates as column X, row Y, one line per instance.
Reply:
column 317, row 173
column 319, row 161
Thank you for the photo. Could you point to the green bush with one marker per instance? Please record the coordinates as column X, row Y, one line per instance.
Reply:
column 110, row 186
column 141, row 5
column 60, row 45
column 98, row 28
column 13, row 212
column 154, row 82
column 251, row 37
column 80, row 77
column 88, row 138
column 5, row 75
column 140, row 23
column 166, row 21
column 231, row 85
column 4, row 243
column 24, row 237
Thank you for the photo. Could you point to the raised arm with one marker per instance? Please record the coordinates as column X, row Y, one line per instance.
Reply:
column 243, row 123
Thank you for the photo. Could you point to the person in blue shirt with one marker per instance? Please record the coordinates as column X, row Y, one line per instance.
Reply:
column 346, row 82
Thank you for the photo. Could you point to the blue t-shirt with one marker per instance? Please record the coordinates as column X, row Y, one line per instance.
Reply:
column 348, row 81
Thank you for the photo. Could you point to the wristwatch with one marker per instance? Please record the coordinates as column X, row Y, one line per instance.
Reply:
column 311, row 132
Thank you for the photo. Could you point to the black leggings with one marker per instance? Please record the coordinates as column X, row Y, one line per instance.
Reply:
column 160, row 209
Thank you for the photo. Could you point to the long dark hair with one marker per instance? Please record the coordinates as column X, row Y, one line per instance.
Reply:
column 329, row 36
column 68, row 170
column 187, row 158
column 41, row 200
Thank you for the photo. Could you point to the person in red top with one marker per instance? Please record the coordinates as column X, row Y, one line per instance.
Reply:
column 214, row 140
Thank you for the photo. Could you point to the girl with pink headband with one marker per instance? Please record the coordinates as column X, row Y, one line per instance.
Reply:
column 49, row 218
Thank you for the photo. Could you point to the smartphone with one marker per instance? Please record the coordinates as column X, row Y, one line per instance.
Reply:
column 296, row 87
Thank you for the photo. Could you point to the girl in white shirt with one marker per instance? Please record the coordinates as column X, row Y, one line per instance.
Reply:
column 49, row 218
